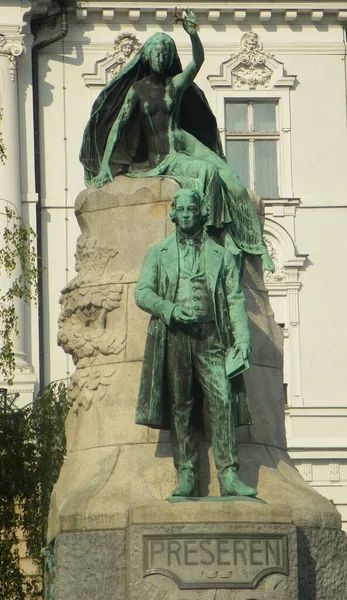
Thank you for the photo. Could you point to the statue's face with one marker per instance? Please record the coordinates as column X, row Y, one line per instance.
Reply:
column 126, row 48
column 159, row 58
column 188, row 214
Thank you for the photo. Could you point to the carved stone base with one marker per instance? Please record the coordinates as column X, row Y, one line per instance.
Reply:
column 199, row 551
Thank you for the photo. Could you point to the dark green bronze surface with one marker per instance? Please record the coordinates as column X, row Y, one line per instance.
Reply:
column 153, row 120
column 215, row 499
column 190, row 286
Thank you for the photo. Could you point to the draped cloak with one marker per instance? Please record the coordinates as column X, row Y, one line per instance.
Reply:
column 200, row 166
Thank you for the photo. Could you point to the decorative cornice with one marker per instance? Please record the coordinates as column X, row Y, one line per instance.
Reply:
column 281, row 207
column 12, row 47
column 264, row 11
column 323, row 48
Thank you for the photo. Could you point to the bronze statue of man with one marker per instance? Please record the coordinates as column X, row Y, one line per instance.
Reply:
column 190, row 286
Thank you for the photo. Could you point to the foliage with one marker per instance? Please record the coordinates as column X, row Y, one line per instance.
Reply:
column 18, row 261
column 32, row 449
column 32, row 440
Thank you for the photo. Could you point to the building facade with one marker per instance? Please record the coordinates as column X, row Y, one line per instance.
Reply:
column 275, row 75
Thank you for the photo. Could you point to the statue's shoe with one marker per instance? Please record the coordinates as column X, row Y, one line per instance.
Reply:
column 186, row 483
column 231, row 485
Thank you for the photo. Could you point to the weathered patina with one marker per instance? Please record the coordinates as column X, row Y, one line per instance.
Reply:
column 197, row 337
column 153, row 120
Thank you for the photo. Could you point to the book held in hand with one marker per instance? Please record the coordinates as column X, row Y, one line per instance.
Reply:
column 235, row 364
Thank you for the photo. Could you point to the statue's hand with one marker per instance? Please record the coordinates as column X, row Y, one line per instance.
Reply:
column 102, row 177
column 244, row 348
column 189, row 22
column 181, row 315
column 268, row 264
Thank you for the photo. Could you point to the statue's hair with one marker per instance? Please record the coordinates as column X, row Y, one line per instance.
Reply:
column 158, row 38
column 196, row 195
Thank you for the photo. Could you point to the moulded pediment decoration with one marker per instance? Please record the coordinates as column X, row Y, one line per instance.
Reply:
column 279, row 273
column 282, row 250
column 125, row 46
column 252, row 68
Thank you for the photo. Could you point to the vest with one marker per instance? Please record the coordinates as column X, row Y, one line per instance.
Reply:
column 192, row 292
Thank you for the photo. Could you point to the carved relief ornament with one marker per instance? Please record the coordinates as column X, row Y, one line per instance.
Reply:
column 87, row 329
column 12, row 48
column 125, row 46
column 86, row 304
column 252, row 68
column 280, row 273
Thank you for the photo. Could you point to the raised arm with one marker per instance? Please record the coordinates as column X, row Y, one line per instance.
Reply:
column 188, row 75
column 124, row 115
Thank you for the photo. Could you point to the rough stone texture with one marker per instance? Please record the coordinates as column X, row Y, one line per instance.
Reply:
column 112, row 465
column 199, row 511
column 109, row 422
column 322, row 564
column 90, row 565
column 83, row 476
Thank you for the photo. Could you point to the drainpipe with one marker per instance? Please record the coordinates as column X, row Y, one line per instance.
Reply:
column 344, row 30
column 35, row 72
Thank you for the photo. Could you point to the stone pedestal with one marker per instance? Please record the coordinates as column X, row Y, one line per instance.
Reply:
column 115, row 534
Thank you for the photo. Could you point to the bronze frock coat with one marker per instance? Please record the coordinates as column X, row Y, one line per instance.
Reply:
column 155, row 293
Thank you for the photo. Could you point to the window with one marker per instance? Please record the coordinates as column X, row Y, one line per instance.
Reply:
column 252, row 139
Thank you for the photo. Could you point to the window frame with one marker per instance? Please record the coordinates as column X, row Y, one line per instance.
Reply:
column 223, row 92
column 253, row 135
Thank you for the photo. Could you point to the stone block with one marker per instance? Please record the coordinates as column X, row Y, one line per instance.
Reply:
column 314, row 503
column 144, row 223
column 322, row 560
column 81, row 477
column 252, row 276
column 266, row 335
column 138, row 210
column 208, row 560
column 90, row 565
column 143, row 472
column 201, row 511
column 264, row 387
column 111, row 420
column 156, row 436
column 198, row 551
column 126, row 191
